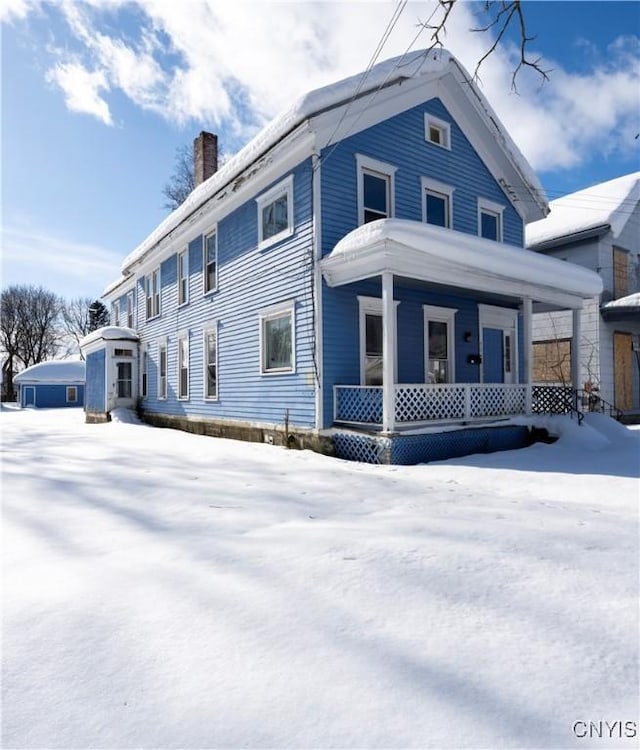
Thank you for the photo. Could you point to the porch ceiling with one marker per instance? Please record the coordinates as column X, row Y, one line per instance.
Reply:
column 444, row 256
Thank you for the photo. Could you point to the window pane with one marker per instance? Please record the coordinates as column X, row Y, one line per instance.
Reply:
column 438, row 352
column 437, row 209
column 375, row 195
column 212, row 379
column 124, row 379
column 210, row 263
column 489, row 225
column 277, row 335
column 275, row 217
column 373, row 350
column 434, row 134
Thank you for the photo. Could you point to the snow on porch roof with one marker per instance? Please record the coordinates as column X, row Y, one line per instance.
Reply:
column 444, row 256
column 110, row 333
column 54, row 371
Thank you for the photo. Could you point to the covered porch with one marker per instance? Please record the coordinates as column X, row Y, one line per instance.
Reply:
column 506, row 283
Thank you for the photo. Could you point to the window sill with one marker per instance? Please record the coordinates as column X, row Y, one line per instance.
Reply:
column 281, row 371
column 274, row 240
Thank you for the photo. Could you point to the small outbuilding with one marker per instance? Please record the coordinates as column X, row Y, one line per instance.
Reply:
column 53, row 384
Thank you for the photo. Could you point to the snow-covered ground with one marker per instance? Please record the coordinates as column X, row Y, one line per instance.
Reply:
column 164, row 590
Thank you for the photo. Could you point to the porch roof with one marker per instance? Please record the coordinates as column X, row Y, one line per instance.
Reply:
column 428, row 253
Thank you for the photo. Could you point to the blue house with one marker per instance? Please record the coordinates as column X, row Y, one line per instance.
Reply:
column 53, row 384
column 356, row 273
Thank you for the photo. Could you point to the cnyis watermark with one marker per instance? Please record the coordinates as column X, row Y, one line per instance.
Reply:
column 609, row 730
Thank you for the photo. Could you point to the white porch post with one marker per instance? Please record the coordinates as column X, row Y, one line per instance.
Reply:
column 575, row 347
column 388, row 353
column 527, row 331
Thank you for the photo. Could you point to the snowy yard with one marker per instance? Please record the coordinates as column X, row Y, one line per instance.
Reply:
column 164, row 590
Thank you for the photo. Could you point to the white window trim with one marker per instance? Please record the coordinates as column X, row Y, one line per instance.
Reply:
column 434, row 186
column 277, row 311
column 284, row 187
column 130, row 311
column 373, row 306
column 162, row 344
column 211, row 328
column 368, row 164
column 495, row 209
column 185, row 255
column 148, row 285
column 205, row 291
column 442, row 125
column 183, row 336
column 72, row 400
column 441, row 315
column 144, row 370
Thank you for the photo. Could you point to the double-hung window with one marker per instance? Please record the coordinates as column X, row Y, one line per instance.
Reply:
column 130, row 321
column 277, row 339
column 210, row 261
column 183, row 366
column 153, row 294
column 162, row 369
column 275, row 213
column 375, row 189
column 436, row 203
column 115, row 313
column 437, row 131
column 490, row 219
column 211, row 363
column 183, row 277
column 371, row 340
column 144, row 377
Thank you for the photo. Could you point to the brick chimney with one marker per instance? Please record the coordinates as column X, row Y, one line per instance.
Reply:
column 205, row 157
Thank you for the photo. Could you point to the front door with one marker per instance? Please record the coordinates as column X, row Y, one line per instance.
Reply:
column 622, row 370
column 499, row 344
column 124, row 383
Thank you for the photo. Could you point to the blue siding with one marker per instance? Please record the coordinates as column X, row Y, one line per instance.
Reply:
column 95, row 382
column 400, row 142
column 249, row 281
column 51, row 396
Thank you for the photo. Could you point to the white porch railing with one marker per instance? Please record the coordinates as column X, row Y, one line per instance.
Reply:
column 420, row 402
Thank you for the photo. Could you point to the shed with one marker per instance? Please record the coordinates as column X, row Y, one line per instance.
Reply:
column 53, row 384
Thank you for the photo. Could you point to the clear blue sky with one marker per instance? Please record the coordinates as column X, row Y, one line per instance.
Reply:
column 97, row 97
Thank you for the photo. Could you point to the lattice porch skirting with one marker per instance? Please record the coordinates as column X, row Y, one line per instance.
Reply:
column 433, row 446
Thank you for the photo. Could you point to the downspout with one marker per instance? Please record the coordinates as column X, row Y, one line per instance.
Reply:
column 317, row 290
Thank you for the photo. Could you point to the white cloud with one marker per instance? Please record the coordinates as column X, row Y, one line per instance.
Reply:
column 231, row 66
column 81, row 88
column 13, row 10
column 72, row 268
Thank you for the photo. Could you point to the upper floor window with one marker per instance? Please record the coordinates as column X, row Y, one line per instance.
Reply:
column 130, row 321
column 620, row 273
column 275, row 213
column 115, row 313
column 183, row 277
column 277, row 339
column 436, row 203
column 152, row 290
column 376, row 188
column 210, row 262
column 490, row 220
column 437, row 131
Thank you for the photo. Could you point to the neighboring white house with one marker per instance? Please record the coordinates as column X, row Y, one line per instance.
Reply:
column 598, row 228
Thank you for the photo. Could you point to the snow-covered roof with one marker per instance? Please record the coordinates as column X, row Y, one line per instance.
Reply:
column 416, row 65
column 54, row 371
column 110, row 333
column 435, row 254
column 631, row 300
column 607, row 204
